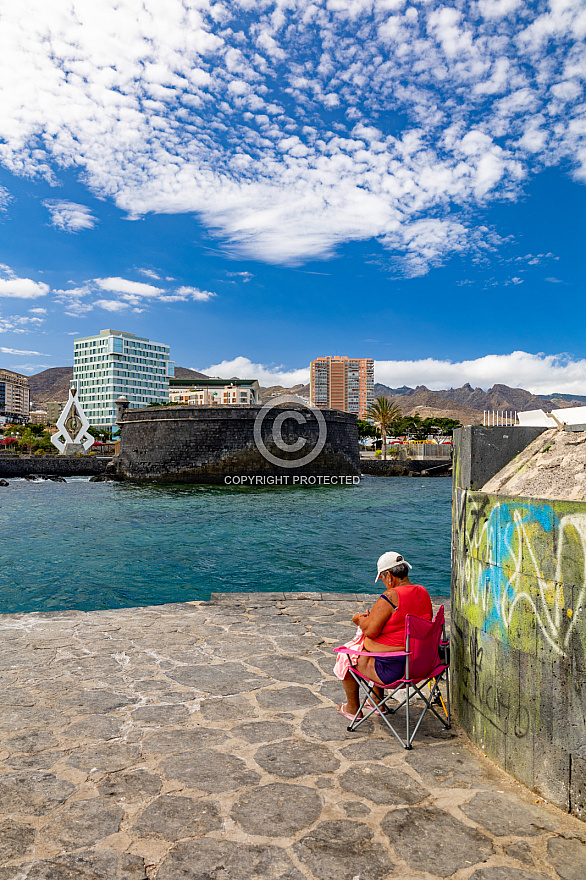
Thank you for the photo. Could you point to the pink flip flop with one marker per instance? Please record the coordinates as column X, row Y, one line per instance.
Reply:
column 377, row 711
column 346, row 714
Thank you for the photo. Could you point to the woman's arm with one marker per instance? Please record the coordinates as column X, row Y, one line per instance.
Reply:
column 372, row 623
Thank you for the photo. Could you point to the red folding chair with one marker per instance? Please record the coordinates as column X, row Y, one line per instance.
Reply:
column 424, row 640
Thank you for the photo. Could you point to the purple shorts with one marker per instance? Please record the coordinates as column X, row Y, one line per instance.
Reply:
column 389, row 670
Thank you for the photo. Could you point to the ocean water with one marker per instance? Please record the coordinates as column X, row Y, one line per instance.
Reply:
column 82, row 545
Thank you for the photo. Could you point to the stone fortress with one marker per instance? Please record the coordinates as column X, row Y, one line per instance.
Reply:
column 206, row 444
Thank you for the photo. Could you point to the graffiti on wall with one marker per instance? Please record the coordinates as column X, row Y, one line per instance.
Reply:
column 520, row 563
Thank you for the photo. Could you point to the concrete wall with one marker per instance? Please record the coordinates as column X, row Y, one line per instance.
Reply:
column 519, row 627
column 392, row 468
column 61, row 465
column 205, row 444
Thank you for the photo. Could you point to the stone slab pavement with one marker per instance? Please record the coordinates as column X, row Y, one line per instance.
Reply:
column 201, row 741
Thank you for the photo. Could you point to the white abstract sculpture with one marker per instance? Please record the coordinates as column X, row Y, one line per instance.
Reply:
column 73, row 424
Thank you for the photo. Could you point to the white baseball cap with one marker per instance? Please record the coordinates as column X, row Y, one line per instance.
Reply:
column 389, row 560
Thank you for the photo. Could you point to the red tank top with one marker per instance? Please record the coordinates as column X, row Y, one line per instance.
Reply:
column 413, row 599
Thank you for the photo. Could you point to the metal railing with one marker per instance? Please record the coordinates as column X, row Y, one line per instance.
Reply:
column 492, row 418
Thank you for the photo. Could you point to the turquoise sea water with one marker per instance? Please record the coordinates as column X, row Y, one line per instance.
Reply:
column 106, row 545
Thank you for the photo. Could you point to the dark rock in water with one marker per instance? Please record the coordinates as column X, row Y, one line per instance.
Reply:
column 102, row 478
column 4, row 483
column 55, row 478
column 32, row 477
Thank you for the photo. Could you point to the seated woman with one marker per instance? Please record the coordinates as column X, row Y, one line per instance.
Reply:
column 384, row 627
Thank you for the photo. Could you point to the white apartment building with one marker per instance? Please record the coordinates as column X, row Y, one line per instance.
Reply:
column 114, row 363
column 211, row 392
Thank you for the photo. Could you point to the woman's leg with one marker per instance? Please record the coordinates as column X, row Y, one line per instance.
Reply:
column 352, row 695
column 364, row 665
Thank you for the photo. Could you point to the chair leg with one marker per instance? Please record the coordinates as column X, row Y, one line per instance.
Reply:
column 407, row 705
column 448, row 697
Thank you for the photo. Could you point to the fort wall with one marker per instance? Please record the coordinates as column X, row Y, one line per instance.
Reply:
column 200, row 444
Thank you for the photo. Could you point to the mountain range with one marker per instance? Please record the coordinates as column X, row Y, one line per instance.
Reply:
column 466, row 404
column 53, row 384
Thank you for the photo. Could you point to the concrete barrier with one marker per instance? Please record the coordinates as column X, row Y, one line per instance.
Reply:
column 518, row 622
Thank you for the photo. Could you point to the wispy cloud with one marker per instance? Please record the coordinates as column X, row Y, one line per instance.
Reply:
column 126, row 294
column 19, row 323
column 5, row 198
column 244, row 276
column 16, row 351
column 293, row 127
column 69, row 216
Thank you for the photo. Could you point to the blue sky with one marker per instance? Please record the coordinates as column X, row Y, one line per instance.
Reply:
column 261, row 183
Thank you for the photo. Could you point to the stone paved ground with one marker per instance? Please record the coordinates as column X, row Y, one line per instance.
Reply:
column 201, row 742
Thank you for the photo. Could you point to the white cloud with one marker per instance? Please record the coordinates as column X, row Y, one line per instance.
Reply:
column 244, row 368
column 38, row 311
column 149, row 273
column 245, row 276
column 5, row 198
column 195, row 293
column 19, row 323
column 23, row 288
column 20, row 288
column 225, row 110
column 127, row 294
column 122, row 285
column 69, row 216
column 73, row 300
column 16, row 351
column 538, row 373
column 112, row 305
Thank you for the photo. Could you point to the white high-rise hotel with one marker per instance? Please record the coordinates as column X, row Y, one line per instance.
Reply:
column 114, row 363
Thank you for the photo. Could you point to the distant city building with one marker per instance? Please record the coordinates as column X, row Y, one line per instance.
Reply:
column 54, row 410
column 207, row 392
column 342, row 383
column 113, row 363
column 14, row 397
column 38, row 417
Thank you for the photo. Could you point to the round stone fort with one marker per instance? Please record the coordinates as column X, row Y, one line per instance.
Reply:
column 286, row 443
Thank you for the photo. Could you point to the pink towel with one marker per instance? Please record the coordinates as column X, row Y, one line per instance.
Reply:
column 342, row 663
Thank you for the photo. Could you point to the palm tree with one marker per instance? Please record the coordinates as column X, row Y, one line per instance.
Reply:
column 383, row 413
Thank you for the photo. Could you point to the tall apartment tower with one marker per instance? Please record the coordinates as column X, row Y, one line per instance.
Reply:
column 342, row 383
column 114, row 363
column 14, row 397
